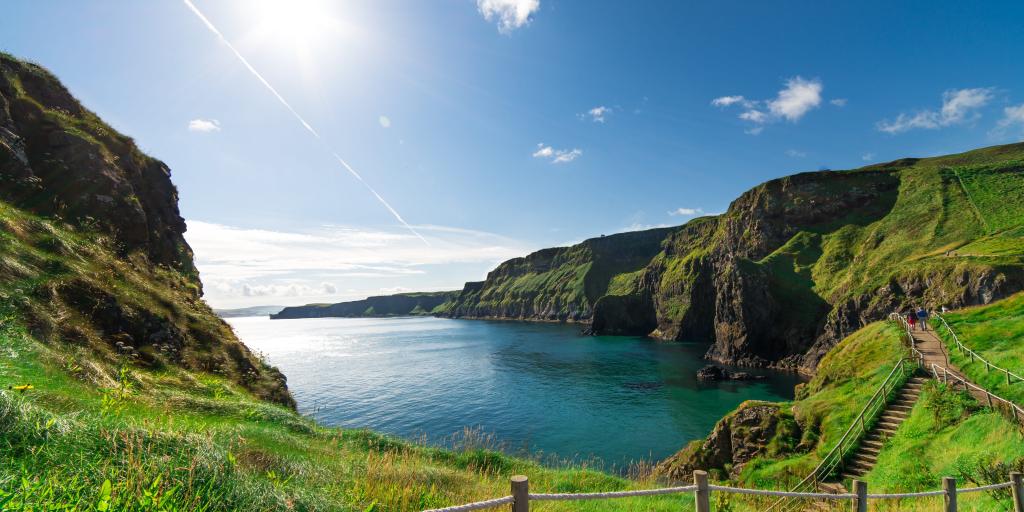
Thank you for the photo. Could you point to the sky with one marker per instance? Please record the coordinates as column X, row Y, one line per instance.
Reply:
column 331, row 150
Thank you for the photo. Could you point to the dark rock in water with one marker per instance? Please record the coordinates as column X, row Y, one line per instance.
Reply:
column 713, row 373
column 644, row 385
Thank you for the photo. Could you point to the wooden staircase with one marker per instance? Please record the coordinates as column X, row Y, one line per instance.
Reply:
column 895, row 412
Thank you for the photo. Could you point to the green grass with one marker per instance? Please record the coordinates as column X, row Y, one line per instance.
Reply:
column 179, row 440
column 825, row 406
column 947, row 434
column 996, row 331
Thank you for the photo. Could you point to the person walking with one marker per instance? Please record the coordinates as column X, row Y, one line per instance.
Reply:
column 922, row 318
column 911, row 319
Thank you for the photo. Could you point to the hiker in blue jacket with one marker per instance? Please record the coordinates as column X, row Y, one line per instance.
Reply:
column 922, row 318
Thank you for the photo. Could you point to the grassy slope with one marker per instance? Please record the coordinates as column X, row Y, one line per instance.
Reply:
column 952, row 216
column 561, row 283
column 194, row 441
column 826, row 405
column 932, row 214
column 947, row 434
column 995, row 331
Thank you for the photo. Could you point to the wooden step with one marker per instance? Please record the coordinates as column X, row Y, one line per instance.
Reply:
column 863, row 456
column 869, row 450
column 872, row 443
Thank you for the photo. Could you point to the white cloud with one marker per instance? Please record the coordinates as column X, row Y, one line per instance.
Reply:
column 236, row 263
column 725, row 101
column 1012, row 116
column 795, row 154
column 754, row 116
column 838, row 102
column 686, row 212
column 557, row 156
column 204, row 125
column 385, row 121
column 510, row 14
column 598, row 114
column 867, row 157
column 958, row 106
column 799, row 97
column 564, row 156
column 543, row 151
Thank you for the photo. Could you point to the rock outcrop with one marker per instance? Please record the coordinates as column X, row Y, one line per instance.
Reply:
column 93, row 254
column 736, row 439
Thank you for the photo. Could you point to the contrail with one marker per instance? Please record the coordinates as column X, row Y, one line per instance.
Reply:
column 195, row 10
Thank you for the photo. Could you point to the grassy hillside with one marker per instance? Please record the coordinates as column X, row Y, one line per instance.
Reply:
column 173, row 439
column 796, row 264
column 947, row 434
column 558, row 284
column 996, row 332
column 399, row 304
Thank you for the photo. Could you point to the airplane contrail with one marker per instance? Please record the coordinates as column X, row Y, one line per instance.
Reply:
column 195, row 10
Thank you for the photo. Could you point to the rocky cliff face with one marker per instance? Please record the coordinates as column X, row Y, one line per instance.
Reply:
column 793, row 266
column 559, row 284
column 753, row 429
column 399, row 304
column 92, row 253
column 58, row 159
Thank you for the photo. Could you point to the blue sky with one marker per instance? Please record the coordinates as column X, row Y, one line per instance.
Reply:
column 495, row 127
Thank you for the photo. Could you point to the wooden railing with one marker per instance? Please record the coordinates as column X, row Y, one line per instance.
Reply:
column 520, row 498
column 995, row 402
column 835, row 459
column 967, row 352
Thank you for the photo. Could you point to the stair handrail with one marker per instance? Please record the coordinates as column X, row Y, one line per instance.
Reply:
column 911, row 341
column 964, row 349
column 1016, row 410
column 835, row 457
column 852, row 437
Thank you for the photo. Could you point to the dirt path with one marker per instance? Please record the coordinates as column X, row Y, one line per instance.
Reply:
column 934, row 351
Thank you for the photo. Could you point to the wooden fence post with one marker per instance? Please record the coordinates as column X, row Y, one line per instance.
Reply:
column 520, row 494
column 860, row 503
column 1018, row 491
column 949, row 485
column 700, row 479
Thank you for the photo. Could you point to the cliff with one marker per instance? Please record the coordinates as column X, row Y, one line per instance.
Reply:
column 793, row 266
column 93, row 261
column 399, row 304
column 558, row 284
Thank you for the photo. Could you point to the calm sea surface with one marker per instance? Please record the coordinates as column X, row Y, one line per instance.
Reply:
column 540, row 386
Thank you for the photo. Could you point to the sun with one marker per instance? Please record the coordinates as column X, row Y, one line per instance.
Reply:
column 300, row 24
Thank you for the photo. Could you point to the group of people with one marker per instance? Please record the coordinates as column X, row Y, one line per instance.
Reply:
column 920, row 316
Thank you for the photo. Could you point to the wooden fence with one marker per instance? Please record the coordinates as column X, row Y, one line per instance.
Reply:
column 520, row 498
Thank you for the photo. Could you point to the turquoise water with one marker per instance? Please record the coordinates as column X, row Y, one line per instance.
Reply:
column 539, row 386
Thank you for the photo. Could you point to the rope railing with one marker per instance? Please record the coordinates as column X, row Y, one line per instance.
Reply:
column 966, row 351
column 1016, row 411
column 701, row 489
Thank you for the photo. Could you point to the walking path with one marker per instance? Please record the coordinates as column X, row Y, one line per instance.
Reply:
column 934, row 351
